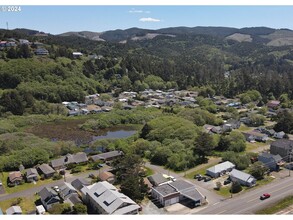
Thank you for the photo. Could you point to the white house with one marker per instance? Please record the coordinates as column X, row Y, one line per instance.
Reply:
column 220, row 169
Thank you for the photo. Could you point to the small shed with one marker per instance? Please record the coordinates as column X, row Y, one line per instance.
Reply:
column 40, row 210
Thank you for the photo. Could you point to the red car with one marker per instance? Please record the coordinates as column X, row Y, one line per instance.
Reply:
column 265, row 196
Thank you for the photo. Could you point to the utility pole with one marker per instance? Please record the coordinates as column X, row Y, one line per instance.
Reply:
column 290, row 153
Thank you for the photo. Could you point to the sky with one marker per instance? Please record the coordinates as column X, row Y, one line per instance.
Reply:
column 98, row 18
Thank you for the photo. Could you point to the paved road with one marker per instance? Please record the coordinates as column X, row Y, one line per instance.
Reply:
column 34, row 190
column 249, row 202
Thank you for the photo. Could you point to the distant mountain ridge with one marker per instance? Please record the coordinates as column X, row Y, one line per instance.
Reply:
column 263, row 35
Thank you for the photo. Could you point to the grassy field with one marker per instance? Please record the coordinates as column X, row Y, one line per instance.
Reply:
column 201, row 170
column 244, row 128
column 149, row 171
column 278, row 206
column 253, row 146
column 27, row 204
column 224, row 191
column 25, row 186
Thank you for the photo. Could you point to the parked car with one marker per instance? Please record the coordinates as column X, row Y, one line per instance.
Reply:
column 264, row 196
column 196, row 176
column 227, row 181
column 200, row 178
column 91, row 175
column 100, row 165
column 207, row 179
column 289, row 166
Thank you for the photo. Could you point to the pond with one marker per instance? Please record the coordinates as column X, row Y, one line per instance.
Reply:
column 121, row 133
column 69, row 130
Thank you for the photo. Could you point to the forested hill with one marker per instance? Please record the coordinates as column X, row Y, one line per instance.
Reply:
column 229, row 60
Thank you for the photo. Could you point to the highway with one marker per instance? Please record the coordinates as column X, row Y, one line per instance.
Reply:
column 249, row 202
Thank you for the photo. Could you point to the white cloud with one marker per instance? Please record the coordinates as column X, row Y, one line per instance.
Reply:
column 135, row 11
column 149, row 20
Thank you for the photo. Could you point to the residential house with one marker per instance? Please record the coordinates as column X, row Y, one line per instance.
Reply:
column 255, row 136
column 107, row 176
column 15, row 178
column 104, row 198
column 79, row 183
column 279, row 135
column 174, row 192
column 271, row 161
column 41, row 51
column 273, row 104
column 282, row 147
column 217, row 130
column 49, row 197
column 108, row 156
column 157, row 179
column 32, row 175
column 69, row 194
column 14, row 210
column 243, row 178
column 235, row 124
column 46, row 170
column 220, row 169
column 23, row 41
column 61, row 163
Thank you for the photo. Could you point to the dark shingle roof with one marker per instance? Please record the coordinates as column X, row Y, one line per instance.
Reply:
column 46, row 193
column 157, row 179
column 165, row 189
column 105, row 156
column 283, row 143
column 79, row 183
column 46, row 169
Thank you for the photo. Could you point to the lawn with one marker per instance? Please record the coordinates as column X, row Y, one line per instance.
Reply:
column 278, row 206
column 253, row 146
column 25, row 186
column 149, row 171
column 27, row 204
column 201, row 170
column 224, row 191
column 244, row 128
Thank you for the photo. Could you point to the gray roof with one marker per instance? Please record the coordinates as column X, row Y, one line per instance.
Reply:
column 108, row 198
column 181, row 185
column 108, row 155
column 221, row 167
column 73, row 199
column 31, row 171
column 242, row 176
column 46, row 193
column 165, row 189
column 13, row 210
column 79, row 183
column 283, row 143
column 58, row 162
column 80, row 157
column 276, row 158
column 66, row 189
column 46, row 169
column 157, row 179
column 69, row 158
